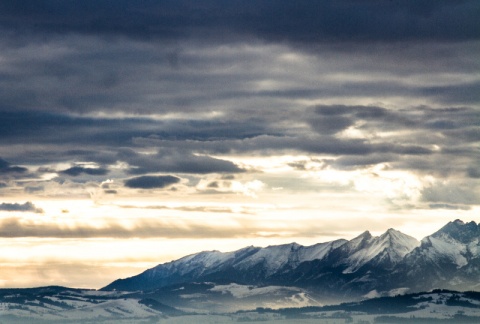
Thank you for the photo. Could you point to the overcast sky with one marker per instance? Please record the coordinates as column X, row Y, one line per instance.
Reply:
column 136, row 132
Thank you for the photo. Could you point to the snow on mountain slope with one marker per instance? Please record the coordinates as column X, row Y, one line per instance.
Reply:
column 456, row 243
column 274, row 258
column 186, row 269
column 449, row 259
column 194, row 267
column 120, row 308
column 392, row 245
column 256, row 265
column 202, row 261
column 437, row 248
column 61, row 305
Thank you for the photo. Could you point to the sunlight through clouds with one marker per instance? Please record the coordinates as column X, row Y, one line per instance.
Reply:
column 134, row 137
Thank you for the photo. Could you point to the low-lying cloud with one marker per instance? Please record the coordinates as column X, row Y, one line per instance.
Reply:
column 13, row 227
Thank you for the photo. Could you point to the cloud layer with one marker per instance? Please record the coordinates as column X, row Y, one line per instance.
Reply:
column 303, row 21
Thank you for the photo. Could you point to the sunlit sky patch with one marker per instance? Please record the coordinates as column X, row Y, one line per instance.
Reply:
column 136, row 133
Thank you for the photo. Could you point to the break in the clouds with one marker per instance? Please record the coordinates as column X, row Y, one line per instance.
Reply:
column 246, row 113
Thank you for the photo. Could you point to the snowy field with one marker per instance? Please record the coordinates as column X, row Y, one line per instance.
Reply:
column 63, row 305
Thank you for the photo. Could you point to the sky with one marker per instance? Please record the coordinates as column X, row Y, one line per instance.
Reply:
column 135, row 132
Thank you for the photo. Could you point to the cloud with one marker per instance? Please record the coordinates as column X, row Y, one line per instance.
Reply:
column 451, row 194
column 13, row 227
column 343, row 132
column 6, row 167
column 303, row 21
column 78, row 170
column 248, row 188
column 33, row 189
column 473, row 172
column 449, row 207
column 203, row 209
column 151, row 182
column 26, row 207
column 155, row 89
column 181, row 161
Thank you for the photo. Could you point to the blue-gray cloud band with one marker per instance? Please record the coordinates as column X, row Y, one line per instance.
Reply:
column 151, row 182
column 299, row 21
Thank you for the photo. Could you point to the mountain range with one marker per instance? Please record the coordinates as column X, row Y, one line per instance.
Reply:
column 391, row 278
column 340, row 270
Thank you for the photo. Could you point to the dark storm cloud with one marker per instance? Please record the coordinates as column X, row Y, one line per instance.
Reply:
column 184, row 146
column 180, row 161
column 78, row 170
column 468, row 93
column 84, row 75
column 6, row 167
column 26, row 207
column 300, row 21
column 65, row 58
column 151, row 182
column 45, row 127
column 446, row 121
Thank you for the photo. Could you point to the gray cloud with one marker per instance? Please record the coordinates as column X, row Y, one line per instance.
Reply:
column 154, row 88
column 34, row 189
column 451, row 194
column 186, row 146
column 449, row 206
column 307, row 21
column 169, row 160
column 78, row 170
column 187, row 95
column 474, row 172
column 26, row 207
column 151, row 182
column 6, row 167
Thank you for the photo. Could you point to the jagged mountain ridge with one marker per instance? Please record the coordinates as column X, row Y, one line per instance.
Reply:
column 448, row 259
column 276, row 264
column 363, row 266
column 221, row 266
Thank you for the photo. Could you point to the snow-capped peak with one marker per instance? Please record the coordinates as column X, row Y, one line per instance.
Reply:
column 447, row 257
column 392, row 244
column 456, row 243
column 459, row 231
